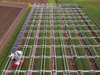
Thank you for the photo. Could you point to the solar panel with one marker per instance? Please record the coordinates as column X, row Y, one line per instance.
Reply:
column 22, row 31
column 19, row 36
column 16, row 45
column 13, row 50
column 18, row 40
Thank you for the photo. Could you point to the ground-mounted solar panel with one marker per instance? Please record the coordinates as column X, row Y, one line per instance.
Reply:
column 18, row 40
column 16, row 44
column 22, row 31
column 14, row 49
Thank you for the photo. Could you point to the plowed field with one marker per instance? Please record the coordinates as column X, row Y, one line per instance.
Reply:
column 29, row 1
column 10, row 15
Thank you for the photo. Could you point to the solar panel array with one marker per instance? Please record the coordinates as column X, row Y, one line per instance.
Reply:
column 22, row 31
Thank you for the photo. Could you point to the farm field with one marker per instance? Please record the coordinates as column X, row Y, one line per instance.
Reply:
column 10, row 15
column 92, row 9
column 13, row 34
column 57, row 40
column 10, row 11
column 28, row 1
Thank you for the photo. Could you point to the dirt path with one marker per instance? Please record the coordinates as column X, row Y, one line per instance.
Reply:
column 10, row 16
column 52, row 49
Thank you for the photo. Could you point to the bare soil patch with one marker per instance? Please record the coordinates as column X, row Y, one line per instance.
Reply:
column 10, row 15
column 29, row 1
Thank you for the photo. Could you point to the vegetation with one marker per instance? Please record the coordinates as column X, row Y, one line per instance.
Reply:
column 92, row 10
column 51, row 1
column 70, row 1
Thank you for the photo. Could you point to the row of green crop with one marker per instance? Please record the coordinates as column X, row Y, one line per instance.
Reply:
column 70, row 1
column 81, row 61
column 92, row 10
column 60, row 51
column 91, row 41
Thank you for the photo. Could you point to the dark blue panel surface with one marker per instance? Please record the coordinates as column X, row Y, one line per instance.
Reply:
column 16, row 44
column 22, row 31
column 18, row 40
column 13, row 50
column 19, row 36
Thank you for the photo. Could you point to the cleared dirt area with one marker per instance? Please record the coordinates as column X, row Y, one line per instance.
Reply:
column 29, row 1
column 10, row 15
column 6, row 20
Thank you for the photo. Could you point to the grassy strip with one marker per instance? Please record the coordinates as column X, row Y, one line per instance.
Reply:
column 51, row 1
column 9, row 45
column 70, row 1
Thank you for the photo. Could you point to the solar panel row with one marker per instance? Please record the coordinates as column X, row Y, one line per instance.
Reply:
column 22, row 31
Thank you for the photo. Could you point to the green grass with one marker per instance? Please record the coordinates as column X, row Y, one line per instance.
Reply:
column 47, row 64
column 51, row 1
column 58, row 51
column 25, row 67
column 12, row 39
column 70, row 1
column 60, row 63
column 38, row 64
